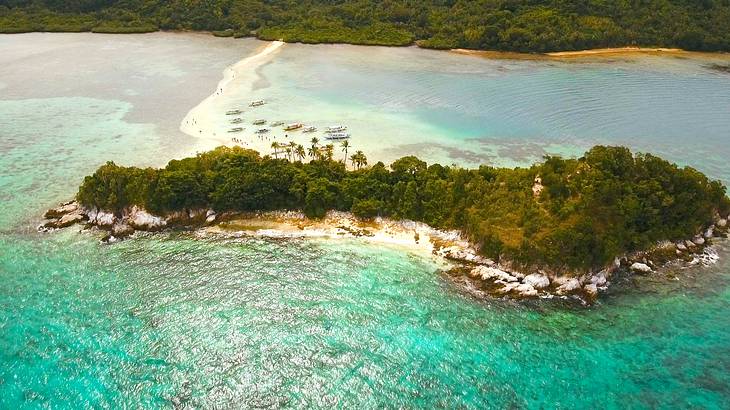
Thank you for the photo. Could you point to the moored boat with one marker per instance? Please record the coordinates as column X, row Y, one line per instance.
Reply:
column 337, row 136
column 294, row 126
column 237, row 129
column 309, row 129
column 262, row 130
column 257, row 103
column 236, row 120
column 233, row 112
column 335, row 128
column 277, row 123
column 259, row 122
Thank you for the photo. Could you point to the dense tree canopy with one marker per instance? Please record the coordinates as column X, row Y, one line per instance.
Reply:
column 590, row 209
column 515, row 25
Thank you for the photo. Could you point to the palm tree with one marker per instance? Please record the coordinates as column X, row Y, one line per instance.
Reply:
column 288, row 153
column 345, row 145
column 315, row 141
column 329, row 150
column 359, row 159
column 300, row 152
column 275, row 146
column 313, row 152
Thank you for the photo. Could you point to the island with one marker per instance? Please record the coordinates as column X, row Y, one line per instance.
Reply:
column 534, row 26
column 558, row 227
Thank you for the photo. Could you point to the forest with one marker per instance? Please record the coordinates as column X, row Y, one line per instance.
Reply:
column 579, row 215
column 509, row 25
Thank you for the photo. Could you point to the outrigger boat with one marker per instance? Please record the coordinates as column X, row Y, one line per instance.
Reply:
column 337, row 136
column 236, row 120
column 309, row 129
column 237, row 129
column 233, row 112
column 335, row 128
column 277, row 124
column 294, row 126
column 262, row 130
column 257, row 103
column 259, row 122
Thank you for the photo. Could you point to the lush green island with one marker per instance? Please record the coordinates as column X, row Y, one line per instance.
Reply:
column 513, row 25
column 571, row 215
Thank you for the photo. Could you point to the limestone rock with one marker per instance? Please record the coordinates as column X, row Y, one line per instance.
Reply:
column 681, row 247
column 599, row 279
column 710, row 232
column 537, row 281
column 699, row 240
column 120, row 230
column 641, row 267
column 487, row 273
column 143, row 220
column 70, row 219
column 569, row 286
column 722, row 223
column 61, row 210
column 525, row 289
column 591, row 289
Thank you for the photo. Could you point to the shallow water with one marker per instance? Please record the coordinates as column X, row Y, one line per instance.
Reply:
column 175, row 319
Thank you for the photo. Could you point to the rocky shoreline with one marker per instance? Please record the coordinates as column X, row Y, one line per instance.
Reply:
column 496, row 279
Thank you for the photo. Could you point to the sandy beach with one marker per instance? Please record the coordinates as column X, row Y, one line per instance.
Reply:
column 412, row 236
column 199, row 122
column 597, row 52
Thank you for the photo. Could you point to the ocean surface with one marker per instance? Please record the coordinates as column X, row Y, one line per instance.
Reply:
column 178, row 319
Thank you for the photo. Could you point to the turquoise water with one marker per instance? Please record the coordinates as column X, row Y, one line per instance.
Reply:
column 174, row 319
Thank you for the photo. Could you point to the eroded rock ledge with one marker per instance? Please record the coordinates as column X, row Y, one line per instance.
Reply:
column 498, row 279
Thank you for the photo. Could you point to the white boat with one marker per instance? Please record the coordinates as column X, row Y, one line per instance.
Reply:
column 237, row 129
column 337, row 136
column 294, row 126
column 277, row 124
column 262, row 130
column 233, row 112
column 309, row 129
column 259, row 122
column 335, row 128
column 236, row 120
column 257, row 103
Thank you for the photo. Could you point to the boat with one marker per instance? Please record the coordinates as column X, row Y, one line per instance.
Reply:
column 335, row 128
column 337, row 136
column 237, row 129
column 309, row 129
column 294, row 126
column 233, row 112
column 259, row 122
column 277, row 124
column 262, row 130
column 236, row 120
column 257, row 103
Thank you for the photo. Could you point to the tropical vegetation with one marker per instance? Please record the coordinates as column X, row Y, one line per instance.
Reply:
column 515, row 25
column 561, row 213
